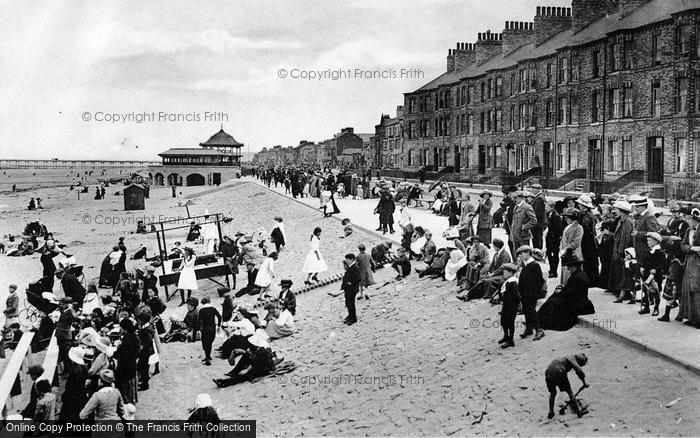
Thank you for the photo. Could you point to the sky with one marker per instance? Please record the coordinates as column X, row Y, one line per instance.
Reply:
column 129, row 79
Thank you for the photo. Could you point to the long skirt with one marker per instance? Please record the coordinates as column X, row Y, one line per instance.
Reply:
column 616, row 274
column 605, row 250
column 275, row 331
column 690, row 290
column 484, row 235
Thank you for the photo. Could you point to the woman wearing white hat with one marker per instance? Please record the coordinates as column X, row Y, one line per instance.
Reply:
column 314, row 262
column 188, row 277
column 203, row 412
column 257, row 362
column 74, row 396
column 484, row 224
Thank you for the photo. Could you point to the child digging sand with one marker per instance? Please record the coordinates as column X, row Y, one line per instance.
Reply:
column 556, row 376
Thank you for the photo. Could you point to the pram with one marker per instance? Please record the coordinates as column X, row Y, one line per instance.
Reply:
column 39, row 304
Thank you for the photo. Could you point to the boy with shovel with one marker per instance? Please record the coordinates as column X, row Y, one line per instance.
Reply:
column 556, row 376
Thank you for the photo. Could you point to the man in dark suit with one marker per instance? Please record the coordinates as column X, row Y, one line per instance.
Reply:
column 555, row 228
column 538, row 202
column 524, row 220
column 351, row 287
column 530, row 285
column 645, row 223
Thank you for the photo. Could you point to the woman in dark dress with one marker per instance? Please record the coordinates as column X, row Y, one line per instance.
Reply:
column 74, row 395
column 605, row 248
column 560, row 312
column 690, row 287
column 589, row 246
column 385, row 210
column 127, row 355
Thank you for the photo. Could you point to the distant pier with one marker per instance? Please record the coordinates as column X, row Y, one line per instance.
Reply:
column 68, row 164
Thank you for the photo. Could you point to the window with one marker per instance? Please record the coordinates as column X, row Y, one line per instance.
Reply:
column 613, row 155
column 531, row 120
column 549, row 119
column 499, row 86
column 498, row 125
column 615, row 103
column 483, row 91
column 512, row 118
column 483, row 123
column 550, row 74
column 627, row 102
column 595, row 104
column 628, row 54
column 615, row 57
column 563, row 70
column 681, row 95
column 563, row 109
column 697, row 155
column 512, row 84
column 655, row 99
column 573, row 109
column 532, row 76
column 655, row 46
column 412, row 105
column 679, row 155
column 595, row 63
column 697, row 90
column 575, row 68
column 523, row 116
column 627, row 154
column 523, row 80
column 489, row 120
column 470, row 127
column 497, row 156
column 560, row 156
column 684, row 35
column 412, row 130
column 470, row 94
column 492, row 88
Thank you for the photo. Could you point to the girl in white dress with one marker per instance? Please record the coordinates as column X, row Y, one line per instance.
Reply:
column 314, row 262
column 188, row 278
column 265, row 274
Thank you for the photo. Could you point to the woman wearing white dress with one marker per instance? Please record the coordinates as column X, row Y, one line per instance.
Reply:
column 264, row 278
column 188, row 278
column 314, row 262
column 455, row 263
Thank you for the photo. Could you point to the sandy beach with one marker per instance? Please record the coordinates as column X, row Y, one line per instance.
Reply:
column 418, row 362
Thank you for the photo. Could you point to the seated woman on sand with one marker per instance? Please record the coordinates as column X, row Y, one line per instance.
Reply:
column 280, row 322
column 455, row 263
column 417, row 242
column 255, row 362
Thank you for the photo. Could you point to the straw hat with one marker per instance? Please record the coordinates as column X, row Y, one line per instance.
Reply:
column 524, row 248
column 586, row 201
column 623, row 206
column 571, row 212
column 104, row 345
column 203, row 401
column 486, row 192
column 655, row 236
column 77, row 355
column 129, row 412
column 538, row 254
column 107, row 376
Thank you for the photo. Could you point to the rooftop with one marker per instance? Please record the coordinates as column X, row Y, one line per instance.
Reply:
column 221, row 138
column 193, row 152
column 652, row 12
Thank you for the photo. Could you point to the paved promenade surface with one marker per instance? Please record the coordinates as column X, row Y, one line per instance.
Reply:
column 672, row 340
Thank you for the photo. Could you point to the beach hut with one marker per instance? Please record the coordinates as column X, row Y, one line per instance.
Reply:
column 134, row 197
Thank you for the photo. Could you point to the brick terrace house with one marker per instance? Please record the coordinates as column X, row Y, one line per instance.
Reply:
column 607, row 90
column 386, row 144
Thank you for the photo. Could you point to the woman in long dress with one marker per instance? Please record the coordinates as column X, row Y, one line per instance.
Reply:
column 455, row 263
column 278, row 236
column 188, row 278
column 314, row 262
column 484, row 223
column 264, row 278
column 690, row 287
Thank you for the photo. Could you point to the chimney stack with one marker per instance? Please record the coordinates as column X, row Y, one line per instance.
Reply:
column 550, row 21
column 450, row 61
column 488, row 45
column 585, row 12
column 629, row 6
column 464, row 56
column 517, row 34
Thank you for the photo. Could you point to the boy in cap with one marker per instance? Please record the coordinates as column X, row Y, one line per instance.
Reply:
column 654, row 270
column 530, row 287
column 351, row 286
column 510, row 297
column 556, row 376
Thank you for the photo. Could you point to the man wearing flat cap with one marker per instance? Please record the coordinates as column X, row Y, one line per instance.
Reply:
column 538, row 202
column 530, row 286
column 524, row 220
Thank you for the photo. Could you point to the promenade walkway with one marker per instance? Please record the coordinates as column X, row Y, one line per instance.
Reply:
column 676, row 342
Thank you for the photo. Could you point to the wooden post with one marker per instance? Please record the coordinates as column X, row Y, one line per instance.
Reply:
column 162, row 259
column 218, row 226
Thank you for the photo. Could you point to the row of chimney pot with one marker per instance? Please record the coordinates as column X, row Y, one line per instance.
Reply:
column 553, row 11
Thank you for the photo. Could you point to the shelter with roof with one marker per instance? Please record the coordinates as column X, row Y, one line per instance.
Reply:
column 216, row 160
